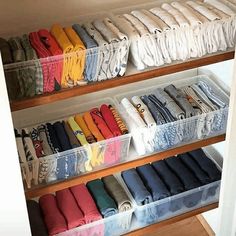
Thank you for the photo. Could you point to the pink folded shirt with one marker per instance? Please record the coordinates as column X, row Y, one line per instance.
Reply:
column 86, row 203
column 53, row 218
column 69, row 208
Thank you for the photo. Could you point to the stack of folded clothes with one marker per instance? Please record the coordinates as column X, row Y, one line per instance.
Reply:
column 46, row 61
column 169, row 116
column 85, row 133
column 178, row 30
column 79, row 205
column 169, row 177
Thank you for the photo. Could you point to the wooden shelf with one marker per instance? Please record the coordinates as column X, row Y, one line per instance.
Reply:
column 154, row 227
column 135, row 77
column 36, row 192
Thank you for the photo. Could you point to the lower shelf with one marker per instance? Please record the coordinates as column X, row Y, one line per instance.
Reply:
column 39, row 191
column 153, row 227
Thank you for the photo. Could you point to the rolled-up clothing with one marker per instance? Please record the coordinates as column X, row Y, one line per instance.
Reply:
column 37, row 226
column 117, row 192
column 69, row 208
column 53, row 218
column 86, row 203
column 153, row 182
column 169, row 178
column 206, row 164
column 104, row 202
column 195, row 168
column 181, row 99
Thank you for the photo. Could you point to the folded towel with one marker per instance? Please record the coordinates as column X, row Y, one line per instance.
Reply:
column 117, row 192
column 153, row 182
column 86, row 203
column 104, row 202
column 69, row 208
column 53, row 218
column 206, row 164
column 195, row 168
column 184, row 174
column 37, row 225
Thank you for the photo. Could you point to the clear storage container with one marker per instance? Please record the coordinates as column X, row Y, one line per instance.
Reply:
column 63, row 165
column 175, row 205
column 162, row 137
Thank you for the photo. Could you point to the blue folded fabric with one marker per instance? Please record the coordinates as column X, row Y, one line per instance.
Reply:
column 90, row 72
column 184, row 174
column 195, row 168
column 153, row 182
column 169, row 178
column 66, row 165
column 187, row 178
column 141, row 196
column 206, row 164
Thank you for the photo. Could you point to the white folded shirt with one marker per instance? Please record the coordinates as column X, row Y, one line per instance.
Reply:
column 179, row 17
column 221, row 5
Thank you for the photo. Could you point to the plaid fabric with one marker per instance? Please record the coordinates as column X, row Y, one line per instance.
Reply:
column 34, row 74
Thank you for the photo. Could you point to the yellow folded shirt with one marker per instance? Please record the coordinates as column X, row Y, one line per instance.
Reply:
column 80, row 54
column 67, row 47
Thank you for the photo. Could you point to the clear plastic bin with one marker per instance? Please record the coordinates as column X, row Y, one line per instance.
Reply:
column 157, row 45
column 162, row 137
column 71, row 163
column 28, row 78
column 175, row 205
column 111, row 226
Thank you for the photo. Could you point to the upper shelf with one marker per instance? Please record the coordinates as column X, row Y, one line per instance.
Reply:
column 131, row 76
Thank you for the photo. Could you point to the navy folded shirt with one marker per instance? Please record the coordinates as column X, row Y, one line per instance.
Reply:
column 185, row 175
column 170, row 179
column 206, row 164
column 153, row 182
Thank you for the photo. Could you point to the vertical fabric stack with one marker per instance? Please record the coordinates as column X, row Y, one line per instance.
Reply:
column 76, row 145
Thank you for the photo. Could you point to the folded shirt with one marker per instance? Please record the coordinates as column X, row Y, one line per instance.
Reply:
column 86, row 203
column 69, row 208
column 168, row 176
column 206, row 164
column 117, row 192
column 105, row 203
column 153, row 182
column 184, row 174
column 37, row 225
column 53, row 218
column 136, row 186
column 195, row 168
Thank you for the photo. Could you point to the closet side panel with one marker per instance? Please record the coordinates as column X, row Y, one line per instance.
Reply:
column 14, row 217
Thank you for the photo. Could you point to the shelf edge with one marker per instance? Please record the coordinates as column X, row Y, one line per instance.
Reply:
column 98, row 86
column 39, row 191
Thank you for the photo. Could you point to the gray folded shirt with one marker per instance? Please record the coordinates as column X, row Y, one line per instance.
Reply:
column 169, row 103
column 181, row 99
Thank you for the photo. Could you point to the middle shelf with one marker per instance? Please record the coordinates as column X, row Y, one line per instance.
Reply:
column 36, row 192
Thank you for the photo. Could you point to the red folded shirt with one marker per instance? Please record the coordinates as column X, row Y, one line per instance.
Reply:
column 110, row 120
column 101, row 124
column 48, row 68
column 53, row 218
column 69, row 208
column 86, row 203
column 52, row 46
